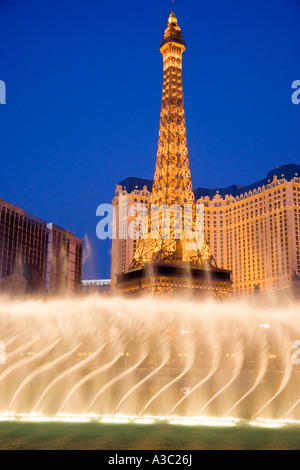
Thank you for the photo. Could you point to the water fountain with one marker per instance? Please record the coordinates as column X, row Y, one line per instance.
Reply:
column 148, row 358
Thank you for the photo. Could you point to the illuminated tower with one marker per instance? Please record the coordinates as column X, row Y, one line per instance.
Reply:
column 172, row 250
column 172, row 180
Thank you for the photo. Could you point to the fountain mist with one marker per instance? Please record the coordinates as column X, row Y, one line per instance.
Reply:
column 105, row 356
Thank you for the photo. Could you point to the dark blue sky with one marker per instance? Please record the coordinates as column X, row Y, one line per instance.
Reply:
column 84, row 82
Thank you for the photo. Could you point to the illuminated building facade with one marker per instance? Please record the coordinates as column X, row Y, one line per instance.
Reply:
column 26, row 240
column 129, row 193
column 64, row 260
column 181, row 260
column 254, row 230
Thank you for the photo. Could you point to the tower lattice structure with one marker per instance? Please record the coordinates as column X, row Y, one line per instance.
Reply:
column 172, row 188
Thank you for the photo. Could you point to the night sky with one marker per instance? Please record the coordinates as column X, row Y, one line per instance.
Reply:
column 83, row 81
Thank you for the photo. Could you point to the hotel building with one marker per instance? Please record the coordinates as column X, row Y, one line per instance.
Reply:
column 27, row 240
column 253, row 230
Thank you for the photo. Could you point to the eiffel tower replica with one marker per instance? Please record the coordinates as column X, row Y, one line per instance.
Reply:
column 172, row 256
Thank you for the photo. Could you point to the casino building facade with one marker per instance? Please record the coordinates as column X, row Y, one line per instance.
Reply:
column 253, row 230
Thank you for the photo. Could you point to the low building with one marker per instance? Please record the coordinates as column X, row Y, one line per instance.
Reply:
column 101, row 286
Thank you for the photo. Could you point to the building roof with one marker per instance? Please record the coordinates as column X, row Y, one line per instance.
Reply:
column 34, row 218
column 132, row 183
column 288, row 171
column 20, row 211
